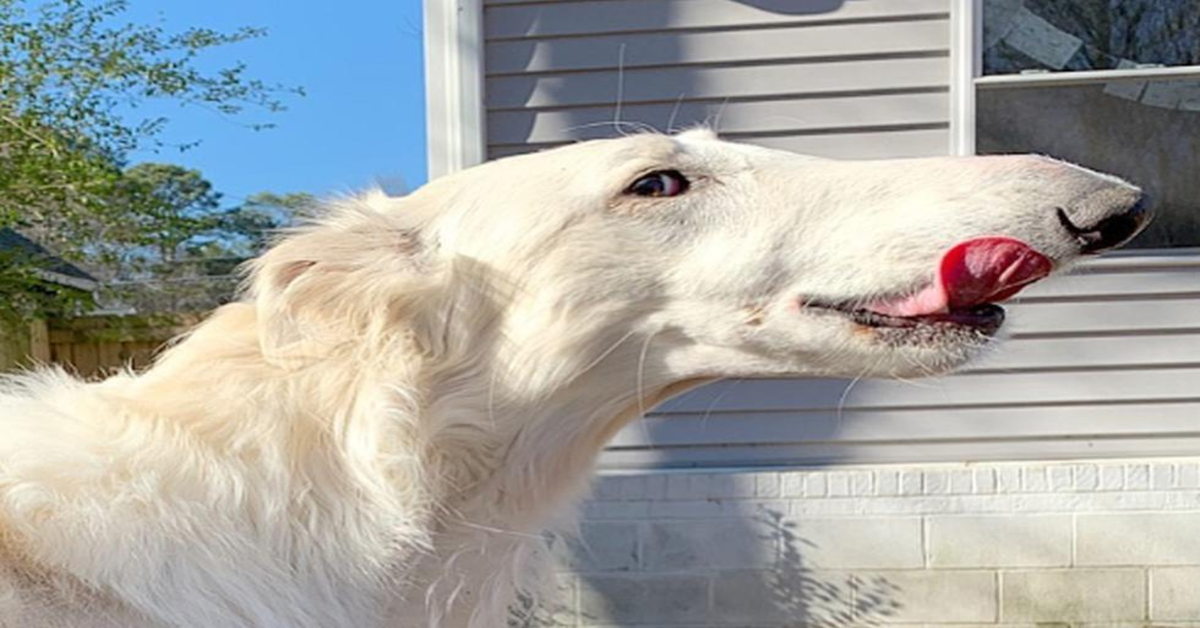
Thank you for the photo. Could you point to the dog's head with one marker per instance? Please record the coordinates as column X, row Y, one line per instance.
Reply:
column 715, row 259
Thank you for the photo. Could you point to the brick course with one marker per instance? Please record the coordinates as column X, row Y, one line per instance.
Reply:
column 1111, row 543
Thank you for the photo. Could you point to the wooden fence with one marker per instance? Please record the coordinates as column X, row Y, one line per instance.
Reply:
column 91, row 346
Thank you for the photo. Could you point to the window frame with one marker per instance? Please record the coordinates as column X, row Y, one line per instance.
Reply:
column 967, row 78
column 966, row 66
column 455, row 118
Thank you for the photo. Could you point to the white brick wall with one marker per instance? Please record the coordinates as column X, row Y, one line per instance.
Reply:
column 997, row 545
column 995, row 541
column 1173, row 593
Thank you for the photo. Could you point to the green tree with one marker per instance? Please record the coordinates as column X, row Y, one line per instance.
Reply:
column 71, row 72
column 179, row 248
column 169, row 207
column 247, row 229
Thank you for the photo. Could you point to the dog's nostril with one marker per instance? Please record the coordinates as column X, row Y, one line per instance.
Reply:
column 1110, row 232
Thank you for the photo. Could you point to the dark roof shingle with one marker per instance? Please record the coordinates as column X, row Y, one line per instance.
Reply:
column 11, row 241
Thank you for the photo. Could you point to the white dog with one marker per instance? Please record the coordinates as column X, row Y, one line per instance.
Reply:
column 415, row 388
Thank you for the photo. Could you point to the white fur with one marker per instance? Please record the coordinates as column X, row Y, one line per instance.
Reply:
column 415, row 389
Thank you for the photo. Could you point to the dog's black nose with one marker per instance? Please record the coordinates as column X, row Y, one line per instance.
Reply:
column 1110, row 232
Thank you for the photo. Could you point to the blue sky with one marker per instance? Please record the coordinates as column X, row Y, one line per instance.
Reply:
column 363, row 118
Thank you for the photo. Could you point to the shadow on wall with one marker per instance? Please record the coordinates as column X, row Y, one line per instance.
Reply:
column 727, row 572
column 631, row 66
column 809, row 599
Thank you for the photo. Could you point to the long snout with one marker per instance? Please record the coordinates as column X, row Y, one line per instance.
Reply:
column 1058, row 208
column 893, row 227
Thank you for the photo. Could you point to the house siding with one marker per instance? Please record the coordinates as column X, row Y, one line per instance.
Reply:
column 862, row 78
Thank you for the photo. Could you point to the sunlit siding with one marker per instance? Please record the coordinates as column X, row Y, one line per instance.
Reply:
column 856, row 79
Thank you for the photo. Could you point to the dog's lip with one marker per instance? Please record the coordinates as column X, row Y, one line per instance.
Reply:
column 970, row 277
column 986, row 318
column 974, row 272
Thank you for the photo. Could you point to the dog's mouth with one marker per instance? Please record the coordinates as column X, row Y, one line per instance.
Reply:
column 986, row 318
column 971, row 278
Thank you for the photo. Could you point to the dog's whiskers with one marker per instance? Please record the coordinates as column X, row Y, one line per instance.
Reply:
column 603, row 354
column 716, row 125
column 674, row 113
column 502, row 531
column 617, row 125
column 641, row 392
column 620, row 85
column 839, row 415
column 708, row 411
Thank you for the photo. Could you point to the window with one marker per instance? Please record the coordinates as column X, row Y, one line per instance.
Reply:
column 1109, row 84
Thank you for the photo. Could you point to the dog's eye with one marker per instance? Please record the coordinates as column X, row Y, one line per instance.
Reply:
column 658, row 184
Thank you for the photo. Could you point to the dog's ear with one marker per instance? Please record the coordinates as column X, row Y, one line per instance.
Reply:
column 352, row 277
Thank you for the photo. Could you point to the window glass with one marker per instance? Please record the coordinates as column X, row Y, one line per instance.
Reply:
column 1056, row 35
column 1145, row 131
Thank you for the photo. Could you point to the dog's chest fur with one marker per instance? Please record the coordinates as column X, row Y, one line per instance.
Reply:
column 161, row 508
column 319, row 564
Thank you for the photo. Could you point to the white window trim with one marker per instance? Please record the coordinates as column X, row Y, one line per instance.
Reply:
column 454, row 87
column 966, row 62
column 1084, row 77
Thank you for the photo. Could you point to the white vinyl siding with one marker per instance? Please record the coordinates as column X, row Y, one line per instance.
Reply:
column 548, row 18
column 859, row 79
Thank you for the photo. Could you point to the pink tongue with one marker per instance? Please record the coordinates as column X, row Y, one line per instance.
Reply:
column 977, row 271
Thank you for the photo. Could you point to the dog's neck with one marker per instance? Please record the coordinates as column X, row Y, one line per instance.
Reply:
column 521, row 444
column 474, row 458
column 511, row 435
column 517, row 474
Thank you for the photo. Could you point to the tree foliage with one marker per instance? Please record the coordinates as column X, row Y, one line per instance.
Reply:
column 168, row 206
column 72, row 77
column 247, row 228
column 182, row 249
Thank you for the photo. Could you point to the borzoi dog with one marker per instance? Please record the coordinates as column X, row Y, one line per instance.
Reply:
column 415, row 388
